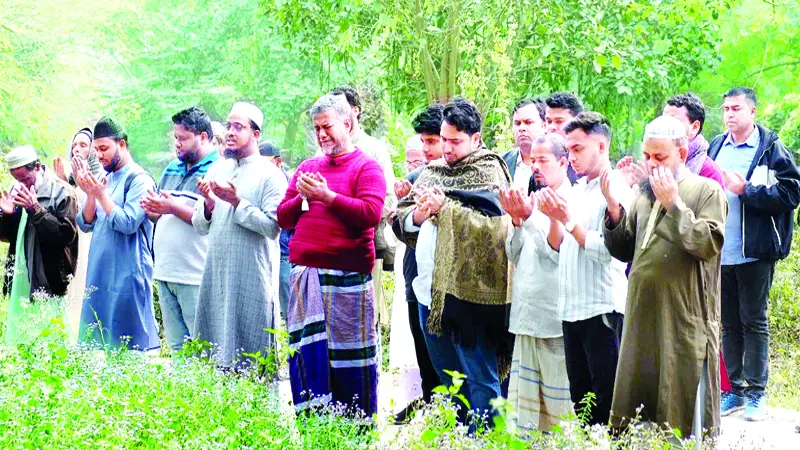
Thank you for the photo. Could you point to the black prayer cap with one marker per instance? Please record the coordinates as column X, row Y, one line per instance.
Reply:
column 109, row 128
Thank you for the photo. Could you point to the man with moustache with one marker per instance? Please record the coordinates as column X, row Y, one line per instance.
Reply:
column 333, row 204
column 539, row 387
column 239, row 214
column 118, row 308
column 527, row 125
column 762, row 184
column 428, row 126
column 592, row 284
column 180, row 252
column 673, row 235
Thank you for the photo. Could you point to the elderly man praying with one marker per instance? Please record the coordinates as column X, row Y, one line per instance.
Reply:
column 673, row 234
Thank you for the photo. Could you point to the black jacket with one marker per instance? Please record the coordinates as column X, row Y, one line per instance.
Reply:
column 771, row 194
column 50, row 237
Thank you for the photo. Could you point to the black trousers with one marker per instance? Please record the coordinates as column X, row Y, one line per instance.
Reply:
column 591, row 347
column 745, row 330
column 430, row 379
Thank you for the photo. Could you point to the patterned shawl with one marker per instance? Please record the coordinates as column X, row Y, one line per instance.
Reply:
column 698, row 149
column 470, row 278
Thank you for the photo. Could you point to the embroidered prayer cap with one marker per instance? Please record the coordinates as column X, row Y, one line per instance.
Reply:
column 665, row 127
column 109, row 128
column 20, row 156
column 250, row 111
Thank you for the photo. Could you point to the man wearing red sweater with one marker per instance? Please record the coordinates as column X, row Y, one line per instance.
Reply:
column 333, row 204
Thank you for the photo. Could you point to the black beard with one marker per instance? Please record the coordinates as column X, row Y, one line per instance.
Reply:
column 646, row 189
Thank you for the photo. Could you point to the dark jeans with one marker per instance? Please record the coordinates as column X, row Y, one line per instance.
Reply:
column 745, row 334
column 478, row 363
column 430, row 379
column 591, row 347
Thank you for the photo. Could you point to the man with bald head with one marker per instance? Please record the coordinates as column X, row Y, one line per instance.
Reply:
column 239, row 214
column 673, row 235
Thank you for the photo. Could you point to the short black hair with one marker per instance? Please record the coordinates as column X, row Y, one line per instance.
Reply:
column 254, row 125
column 695, row 109
column 748, row 93
column 540, row 105
column 589, row 122
column 353, row 99
column 464, row 115
column 195, row 120
column 565, row 100
column 429, row 121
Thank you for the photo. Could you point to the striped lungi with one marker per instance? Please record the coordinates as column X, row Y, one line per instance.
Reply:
column 333, row 333
column 539, row 387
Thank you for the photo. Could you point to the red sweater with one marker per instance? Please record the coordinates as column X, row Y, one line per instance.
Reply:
column 339, row 236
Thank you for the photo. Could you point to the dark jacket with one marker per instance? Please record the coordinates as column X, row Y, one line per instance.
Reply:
column 51, row 243
column 511, row 157
column 771, row 194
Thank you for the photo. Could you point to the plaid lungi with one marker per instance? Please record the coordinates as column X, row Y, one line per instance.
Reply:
column 333, row 332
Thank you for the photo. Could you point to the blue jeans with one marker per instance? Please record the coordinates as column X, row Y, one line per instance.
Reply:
column 178, row 308
column 283, row 289
column 478, row 363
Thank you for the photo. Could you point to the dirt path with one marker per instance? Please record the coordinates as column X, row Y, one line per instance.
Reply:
column 777, row 432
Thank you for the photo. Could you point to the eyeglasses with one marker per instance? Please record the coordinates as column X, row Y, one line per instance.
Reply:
column 237, row 127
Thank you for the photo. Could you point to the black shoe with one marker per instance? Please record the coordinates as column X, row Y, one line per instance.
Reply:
column 404, row 416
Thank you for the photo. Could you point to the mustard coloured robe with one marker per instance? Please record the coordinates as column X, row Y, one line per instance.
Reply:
column 672, row 318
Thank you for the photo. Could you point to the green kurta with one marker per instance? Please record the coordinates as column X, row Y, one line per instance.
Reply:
column 672, row 318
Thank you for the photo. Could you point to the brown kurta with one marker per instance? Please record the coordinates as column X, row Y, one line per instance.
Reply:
column 672, row 318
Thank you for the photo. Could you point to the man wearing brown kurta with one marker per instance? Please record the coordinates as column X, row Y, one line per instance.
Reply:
column 673, row 234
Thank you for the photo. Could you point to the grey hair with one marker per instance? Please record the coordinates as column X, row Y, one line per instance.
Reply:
column 556, row 143
column 337, row 103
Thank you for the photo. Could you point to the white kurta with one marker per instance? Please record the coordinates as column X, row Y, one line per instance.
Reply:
column 237, row 294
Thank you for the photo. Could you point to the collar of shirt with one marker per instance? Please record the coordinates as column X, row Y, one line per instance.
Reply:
column 210, row 157
column 752, row 140
column 520, row 161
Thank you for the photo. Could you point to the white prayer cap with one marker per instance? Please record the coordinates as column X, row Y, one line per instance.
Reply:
column 250, row 111
column 414, row 144
column 20, row 156
column 665, row 127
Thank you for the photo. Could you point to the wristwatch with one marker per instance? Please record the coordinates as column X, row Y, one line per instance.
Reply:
column 569, row 226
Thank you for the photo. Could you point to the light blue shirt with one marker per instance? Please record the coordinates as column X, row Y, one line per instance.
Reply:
column 736, row 158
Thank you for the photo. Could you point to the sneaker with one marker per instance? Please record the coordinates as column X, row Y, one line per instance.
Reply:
column 731, row 403
column 756, row 410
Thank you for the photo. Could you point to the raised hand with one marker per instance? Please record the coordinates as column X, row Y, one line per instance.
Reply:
column 553, row 205
column 89, row 184
column 6, row 203
column 664, row 187
column 734, row 182
column 314, row 187
column 226, row 193
column 25, row 197
column 58, row 168
column 518, row 206
column 157, row 203
column 402, row 188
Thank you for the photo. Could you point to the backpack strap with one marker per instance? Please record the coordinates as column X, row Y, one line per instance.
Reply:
column 128, row 182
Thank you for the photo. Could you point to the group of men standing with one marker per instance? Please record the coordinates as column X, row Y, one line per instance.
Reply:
column 544, row 275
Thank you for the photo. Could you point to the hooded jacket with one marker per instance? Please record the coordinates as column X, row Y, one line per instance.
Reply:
column 771, row 194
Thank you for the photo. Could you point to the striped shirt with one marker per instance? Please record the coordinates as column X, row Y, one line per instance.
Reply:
column 591, row 282
column 180, row 252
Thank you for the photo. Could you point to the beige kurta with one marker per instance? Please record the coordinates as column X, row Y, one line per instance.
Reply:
column 672, row 318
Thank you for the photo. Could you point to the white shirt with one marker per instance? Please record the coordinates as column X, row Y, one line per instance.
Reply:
column 534, row 286
column 426, row 255
column 591, row 282
column 522, row 174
